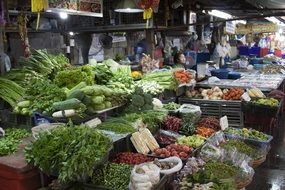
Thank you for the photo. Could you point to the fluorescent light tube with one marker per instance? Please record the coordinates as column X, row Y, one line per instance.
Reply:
column 220, row 14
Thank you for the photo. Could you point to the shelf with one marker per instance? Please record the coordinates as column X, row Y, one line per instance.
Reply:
column 33, row 31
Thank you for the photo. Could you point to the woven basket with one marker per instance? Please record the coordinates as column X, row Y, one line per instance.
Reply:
column 243, row 184
column 256, row 163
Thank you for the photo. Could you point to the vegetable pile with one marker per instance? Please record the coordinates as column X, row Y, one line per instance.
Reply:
column 247, row 133
column 205, row 131
column 267, row 102
column 221, row 170
column 233, row 94
column 10, row 91
column 171, row 106
column 131, row 158
column 181, row 151
column 13, row 137
column 114, row 176
column 210, row 122
column 172, row 123
column 242, row 148
column 74, row 75
column 71, row 151
column 182, row 76
column 45, row 93
column 163, row 139
column 150, row 87
column 140, row 101
column 163, row 78
column 117, row 125
column 193, row 141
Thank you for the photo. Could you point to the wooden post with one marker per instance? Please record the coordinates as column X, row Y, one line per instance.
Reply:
column 150, row 42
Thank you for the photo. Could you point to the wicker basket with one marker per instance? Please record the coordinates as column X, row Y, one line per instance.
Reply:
column 243, row 184
column 255, row 163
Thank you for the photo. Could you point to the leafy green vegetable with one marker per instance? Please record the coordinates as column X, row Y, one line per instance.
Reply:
column 242, row 148
column 74, row 75
column 221, row 170
column 11, row 140
column 117, row 125
column 10, row 91
column 103, row 74
column 115, row 176
column 71, row 151
column 45, row 93
column 151, row 118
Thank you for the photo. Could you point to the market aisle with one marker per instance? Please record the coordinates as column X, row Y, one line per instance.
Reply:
column 271, row 175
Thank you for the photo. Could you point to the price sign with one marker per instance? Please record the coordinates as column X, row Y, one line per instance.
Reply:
column 224, row 123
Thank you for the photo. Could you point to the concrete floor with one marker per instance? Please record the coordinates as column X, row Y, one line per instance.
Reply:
column 271, row 174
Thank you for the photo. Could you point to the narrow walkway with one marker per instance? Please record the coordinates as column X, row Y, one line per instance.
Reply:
column 271, row 174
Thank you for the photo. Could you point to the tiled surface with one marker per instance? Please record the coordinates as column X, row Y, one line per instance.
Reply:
column 271, row 174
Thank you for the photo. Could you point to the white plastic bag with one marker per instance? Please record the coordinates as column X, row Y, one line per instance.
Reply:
column 176, row 168
column 147, row 180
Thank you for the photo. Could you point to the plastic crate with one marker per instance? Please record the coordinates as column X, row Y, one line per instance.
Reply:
column 10, row 119
column 260, row 110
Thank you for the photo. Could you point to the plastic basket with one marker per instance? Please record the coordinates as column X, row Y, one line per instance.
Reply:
column 256, row 109
column 251, row 141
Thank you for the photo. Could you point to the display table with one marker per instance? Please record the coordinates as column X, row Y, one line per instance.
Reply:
column 263, row 82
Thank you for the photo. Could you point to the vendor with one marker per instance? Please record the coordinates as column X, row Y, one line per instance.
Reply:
column 179, row 60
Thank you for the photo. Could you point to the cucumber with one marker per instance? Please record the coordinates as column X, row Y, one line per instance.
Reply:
column 78, row 94
column 67, row 104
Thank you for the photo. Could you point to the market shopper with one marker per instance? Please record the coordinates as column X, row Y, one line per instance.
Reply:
column 179, row 60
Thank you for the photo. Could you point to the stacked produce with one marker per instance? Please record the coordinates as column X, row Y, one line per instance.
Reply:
column 13, row 137
column 214, row 93
column 131, row 158
column 192, row 141
column 181, row 151
column 43, row 63
column 103, row 74
column 151, row 118
column 195, row 94
column 272, row 102
column 40, row 97
column 136, row 75
column 71, row 151
column 172, row 123
column 123, row 75
column 183, row 76
column 144, row 142
column 74, row 75
column 255, row 92
column 247, row 133
column 115, row 176
column 171, row 106
column 163, row 78
column 117, row 125
column 10, row 91
column 210, row 122
column 150, row 87
column 148, row 64
column 233, row 94
column 140, row 101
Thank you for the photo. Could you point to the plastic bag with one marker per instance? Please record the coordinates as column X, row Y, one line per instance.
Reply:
column 217, row 138
column 211, row 152
column 149, row 177
column 192, row 165
column 176, row 168
column 190, row 112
